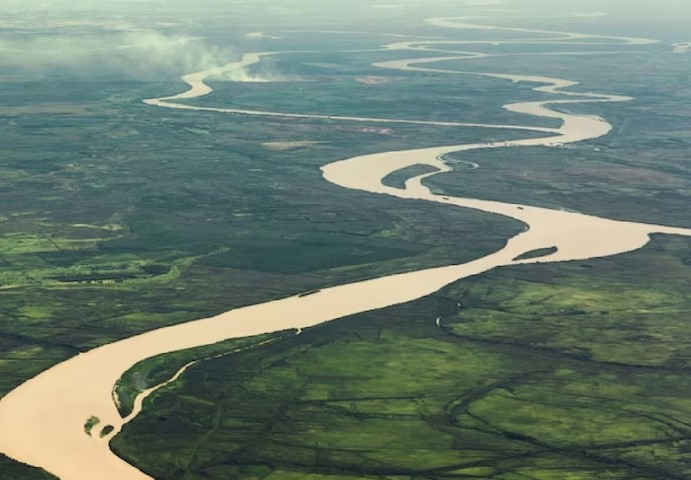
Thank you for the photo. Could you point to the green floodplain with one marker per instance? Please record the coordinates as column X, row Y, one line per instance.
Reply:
column 575, row 371
column 118, row 218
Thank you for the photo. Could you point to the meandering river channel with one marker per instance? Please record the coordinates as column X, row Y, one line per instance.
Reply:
column 42, row 421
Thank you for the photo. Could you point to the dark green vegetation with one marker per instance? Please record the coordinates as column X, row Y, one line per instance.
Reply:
column 156, row 371
column 639, row 172
column 12, row 470
column 117, row 218
column 540, row 252
column 398, row 178
column 125, row 218
column 90, row 424
column 577, row 370
column 346, row 84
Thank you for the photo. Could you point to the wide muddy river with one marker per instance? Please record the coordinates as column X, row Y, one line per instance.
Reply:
column 42, row 421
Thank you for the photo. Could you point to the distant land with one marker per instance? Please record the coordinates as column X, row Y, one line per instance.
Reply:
column 345, row 241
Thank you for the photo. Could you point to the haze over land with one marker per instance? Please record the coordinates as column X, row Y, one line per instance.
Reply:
column 143, row 188
column 142, row 40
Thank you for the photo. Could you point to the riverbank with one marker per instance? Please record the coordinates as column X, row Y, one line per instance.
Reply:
column 51, row 434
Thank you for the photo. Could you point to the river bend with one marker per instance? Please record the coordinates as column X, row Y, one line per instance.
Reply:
column 42, row 421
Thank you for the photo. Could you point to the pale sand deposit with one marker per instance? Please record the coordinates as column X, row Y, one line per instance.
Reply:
column 372, row 80
column 261, row 35
column 290, row 145
column 42, row 421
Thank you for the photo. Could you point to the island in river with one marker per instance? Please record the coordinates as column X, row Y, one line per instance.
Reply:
column 52, row 436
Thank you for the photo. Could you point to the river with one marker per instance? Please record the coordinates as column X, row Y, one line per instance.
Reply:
column 42, row 421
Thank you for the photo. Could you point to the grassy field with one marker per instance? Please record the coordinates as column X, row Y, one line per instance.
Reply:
column 545, row 372
column 641, row 168
column 118, row 218
column 127, row 218
column 575, row 370
column 337, row 83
